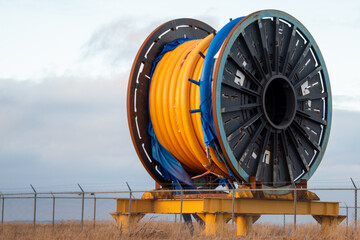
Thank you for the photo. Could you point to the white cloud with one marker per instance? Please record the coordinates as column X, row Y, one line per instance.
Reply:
column 65, row 130
column 347, row 102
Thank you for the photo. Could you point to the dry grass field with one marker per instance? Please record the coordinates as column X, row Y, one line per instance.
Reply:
column 163, row 230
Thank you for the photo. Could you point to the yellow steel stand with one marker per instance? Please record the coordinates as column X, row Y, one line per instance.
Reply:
column 328, row 221
column 214, row 222
column 123, row 220
column 217, row 209
column 244, row 223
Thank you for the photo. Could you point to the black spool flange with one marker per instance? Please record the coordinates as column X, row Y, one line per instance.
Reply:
column 271, row 100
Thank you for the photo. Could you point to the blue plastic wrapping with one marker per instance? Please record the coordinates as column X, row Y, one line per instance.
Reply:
column 207, row 121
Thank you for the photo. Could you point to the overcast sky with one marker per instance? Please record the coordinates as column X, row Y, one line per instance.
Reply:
column 64, row 68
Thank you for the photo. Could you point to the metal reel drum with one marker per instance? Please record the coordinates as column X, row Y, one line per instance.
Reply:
column 271, row 100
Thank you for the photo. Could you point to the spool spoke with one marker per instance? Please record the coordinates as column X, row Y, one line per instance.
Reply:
column 311, row 117
column 246, row 72
column 264, row 46
column 286, row 153
column 261, row 161
column 250, row 147
column 300, row 60
column 276, row 167
column 313, row 96
column 240, row 88
column 308, row 77
column 306, row 136
column 244, row 126
column 276, row 58
column 296, row 145
column 252, row 78
column 253, row 57
column 235, row 108
column 290, row 47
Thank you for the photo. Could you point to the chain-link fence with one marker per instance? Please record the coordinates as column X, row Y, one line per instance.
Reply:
column 81, row 206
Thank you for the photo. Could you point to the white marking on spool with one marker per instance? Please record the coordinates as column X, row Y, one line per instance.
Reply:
column 304, row 88
column 314, row 84
column 239, row 78
column 266, row 158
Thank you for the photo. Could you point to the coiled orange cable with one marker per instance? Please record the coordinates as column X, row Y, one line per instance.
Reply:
column 171, row 97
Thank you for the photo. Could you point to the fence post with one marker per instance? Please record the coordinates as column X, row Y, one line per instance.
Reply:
column 2, row 211
column 355, row 202
column 295, row 200
column 181, row 203
column 129, row 217
column 82, row 207
column 284, row 222
column 233, row 207
column 347, row 217
column 35, row 196
column 53, row 212
column 94, row 209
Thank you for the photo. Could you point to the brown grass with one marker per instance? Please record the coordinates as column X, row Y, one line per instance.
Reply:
column 157, row 230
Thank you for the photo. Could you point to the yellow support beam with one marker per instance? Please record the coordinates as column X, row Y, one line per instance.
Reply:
column 214, row 205
column 217, row 211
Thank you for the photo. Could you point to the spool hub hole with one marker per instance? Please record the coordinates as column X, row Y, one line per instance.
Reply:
column 279, row 102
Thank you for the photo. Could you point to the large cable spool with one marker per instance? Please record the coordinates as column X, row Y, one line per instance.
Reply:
column 265, row 100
